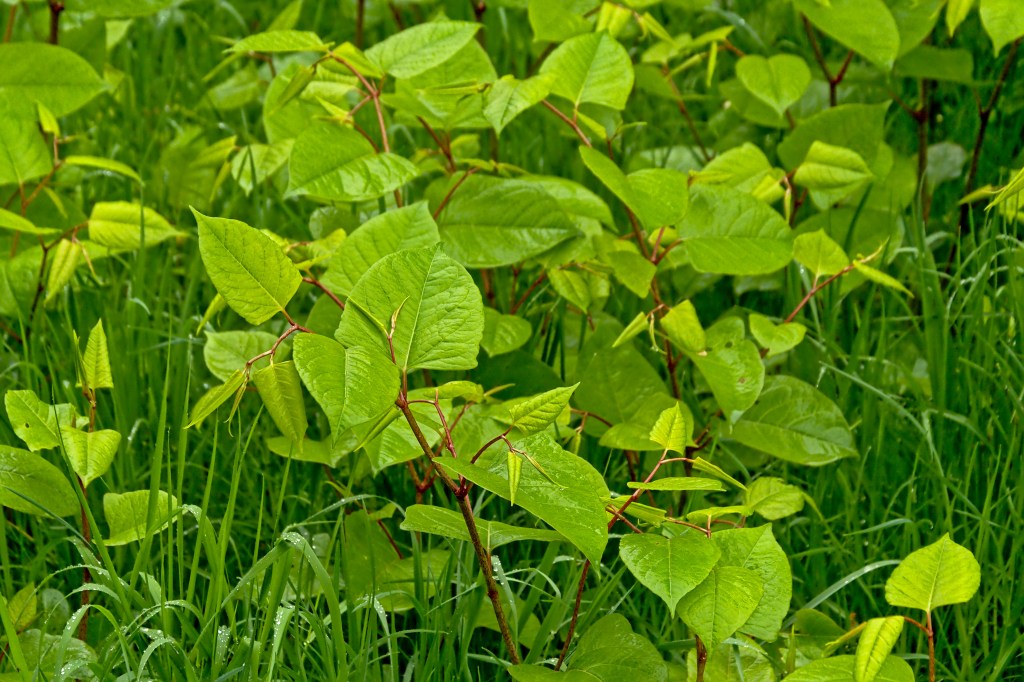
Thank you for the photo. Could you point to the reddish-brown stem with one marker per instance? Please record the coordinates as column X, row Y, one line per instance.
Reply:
column 536, row 283
column 12, row 14
column 360, row 20
column 819, row 57
column 56, row 8
column 818, row 286
column 330, row 294
column 292, row 328
column 83, row 626
column 702, row 658
column 931, row 646
column 569, row 122
column 488, row 444
column 441, row 145
column 575, row 615
column 447, row 197
column 681, row 105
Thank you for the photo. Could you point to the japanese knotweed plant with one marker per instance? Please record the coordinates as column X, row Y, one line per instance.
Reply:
column 433, row 267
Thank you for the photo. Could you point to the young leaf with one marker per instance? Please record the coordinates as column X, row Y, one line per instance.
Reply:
column 729, row 232
column 837, row 171
column 122, row 225
column 335, row 162
column 757, row 549
column 674, row 428
column 875, row 645
column 817, row 252
column 96, row 361
column 591, row 68
column 775, row 338
column 773, row 498
column 228, row 352
column 684, row 328
column 678, row 483
column 720, row 605
column 280, row 389
column 658, row 196
column 633, row 329
column 449, row 523
column 66, row 84
column 104, row 164
column 30, row 484
column 1003, row 21
column 669, row 567
column 572, row 505
column 15, row 222
column 216, row 397
column 796, row 422
column 857, row 127
column 894, row 669
column 91, row 453
column 778, row 81
column 937, row 575
column 540, row 411
column 440, row 313
column 279, row 41
column 35, row 422
column 249, row 270
column 422, row 47
column 127, row 515
column 882, row 278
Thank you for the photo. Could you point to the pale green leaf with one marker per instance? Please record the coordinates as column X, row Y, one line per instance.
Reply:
column 956, row 12
column 508, row 97
column 540, row 411
column 421, row 47
column 865, row 26
column 773, row 498
column 720, row 605
column 880, row 277
column 778, row 81
column 796, row 422
column 683, row 327
column 776, row 338
column 335, row 162
column 669, row 567
column 729, row 232
column 123, row 225
column 1012, row 189
column 127, row 515
column 937, row 575
column 819, row 253
column 96, row 360
column 423, row 518
column 216, row 397
column 837, row 171
column 280, row 388
column 50, row 75
column 572, row 505
column 674, row 428
column 228, row 352
column 840, row 669
column 504, row 333
column 658, row 196
column 633, row 270
column 29, row 483
column 35, row 422
column 439, row 311
column 15, row 222
column 1003, row 21
column 250, row 271
column 858, row 127
column 875, row 644
column 678, row 483
column 280, row 41
column 591, row 68
column 91, row 453
column 24, row 154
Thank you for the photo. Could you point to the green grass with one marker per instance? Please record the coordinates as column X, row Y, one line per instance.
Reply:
column 248, row 584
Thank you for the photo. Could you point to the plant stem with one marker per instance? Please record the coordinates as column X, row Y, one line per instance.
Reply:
column 482, row 555
column 11, row 15
column 519, row 304
column 568, row 121
column 330, row 294
column 448, row 197
column 56, row 8
column 83, row 625
column 360, row 20
column 931, row 646
column 702, row 659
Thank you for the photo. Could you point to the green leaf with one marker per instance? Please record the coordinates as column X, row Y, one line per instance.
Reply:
column 746, row 168
column 249, row 270
column 1003, row 21
column 352, row 385
column 490, row 222
column 335, row 162
column 858, row 127
column 35, row 422
column 937, row 575
column 24, row 607
column 678, row 483
column 669, row 567
column 637, row 325
column 608, row 652
column 122, row 225
column 620, row 385
column 27, row 478
column 280, row 389
column 557, row 21
column 96, row 361
column 127, row 515
column 935, row 63
column 773, row 498
column 674, row 428
column 591, row 68
column 865, row 26
column 756, row 549
column 280, row 41
column 956, row 12
column 540, row 411
column 817, row 252
column 776, row 338
column 720, row 605
column 13, row 221
column 633, row 270
column 658, row 196
column 875, row 644
column 504, row 333
column 411, row 227
column 731, row 365
column 104, row 164
column 315, row 451
column 423, row 518
column 841, row 668
column 837, row 171
column 1012, row 189
column 228, row 352
column 729, row 232
column 215, row 397
column 796, row 422
column 422, row 47
column 684, row 329
column 52, row 76
column 778, row 81
column 255, row 163
column 440, row 318
column 24, row 155
column 91, row 453
column 880, row 277
column 508, row 97
column 572, row 505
